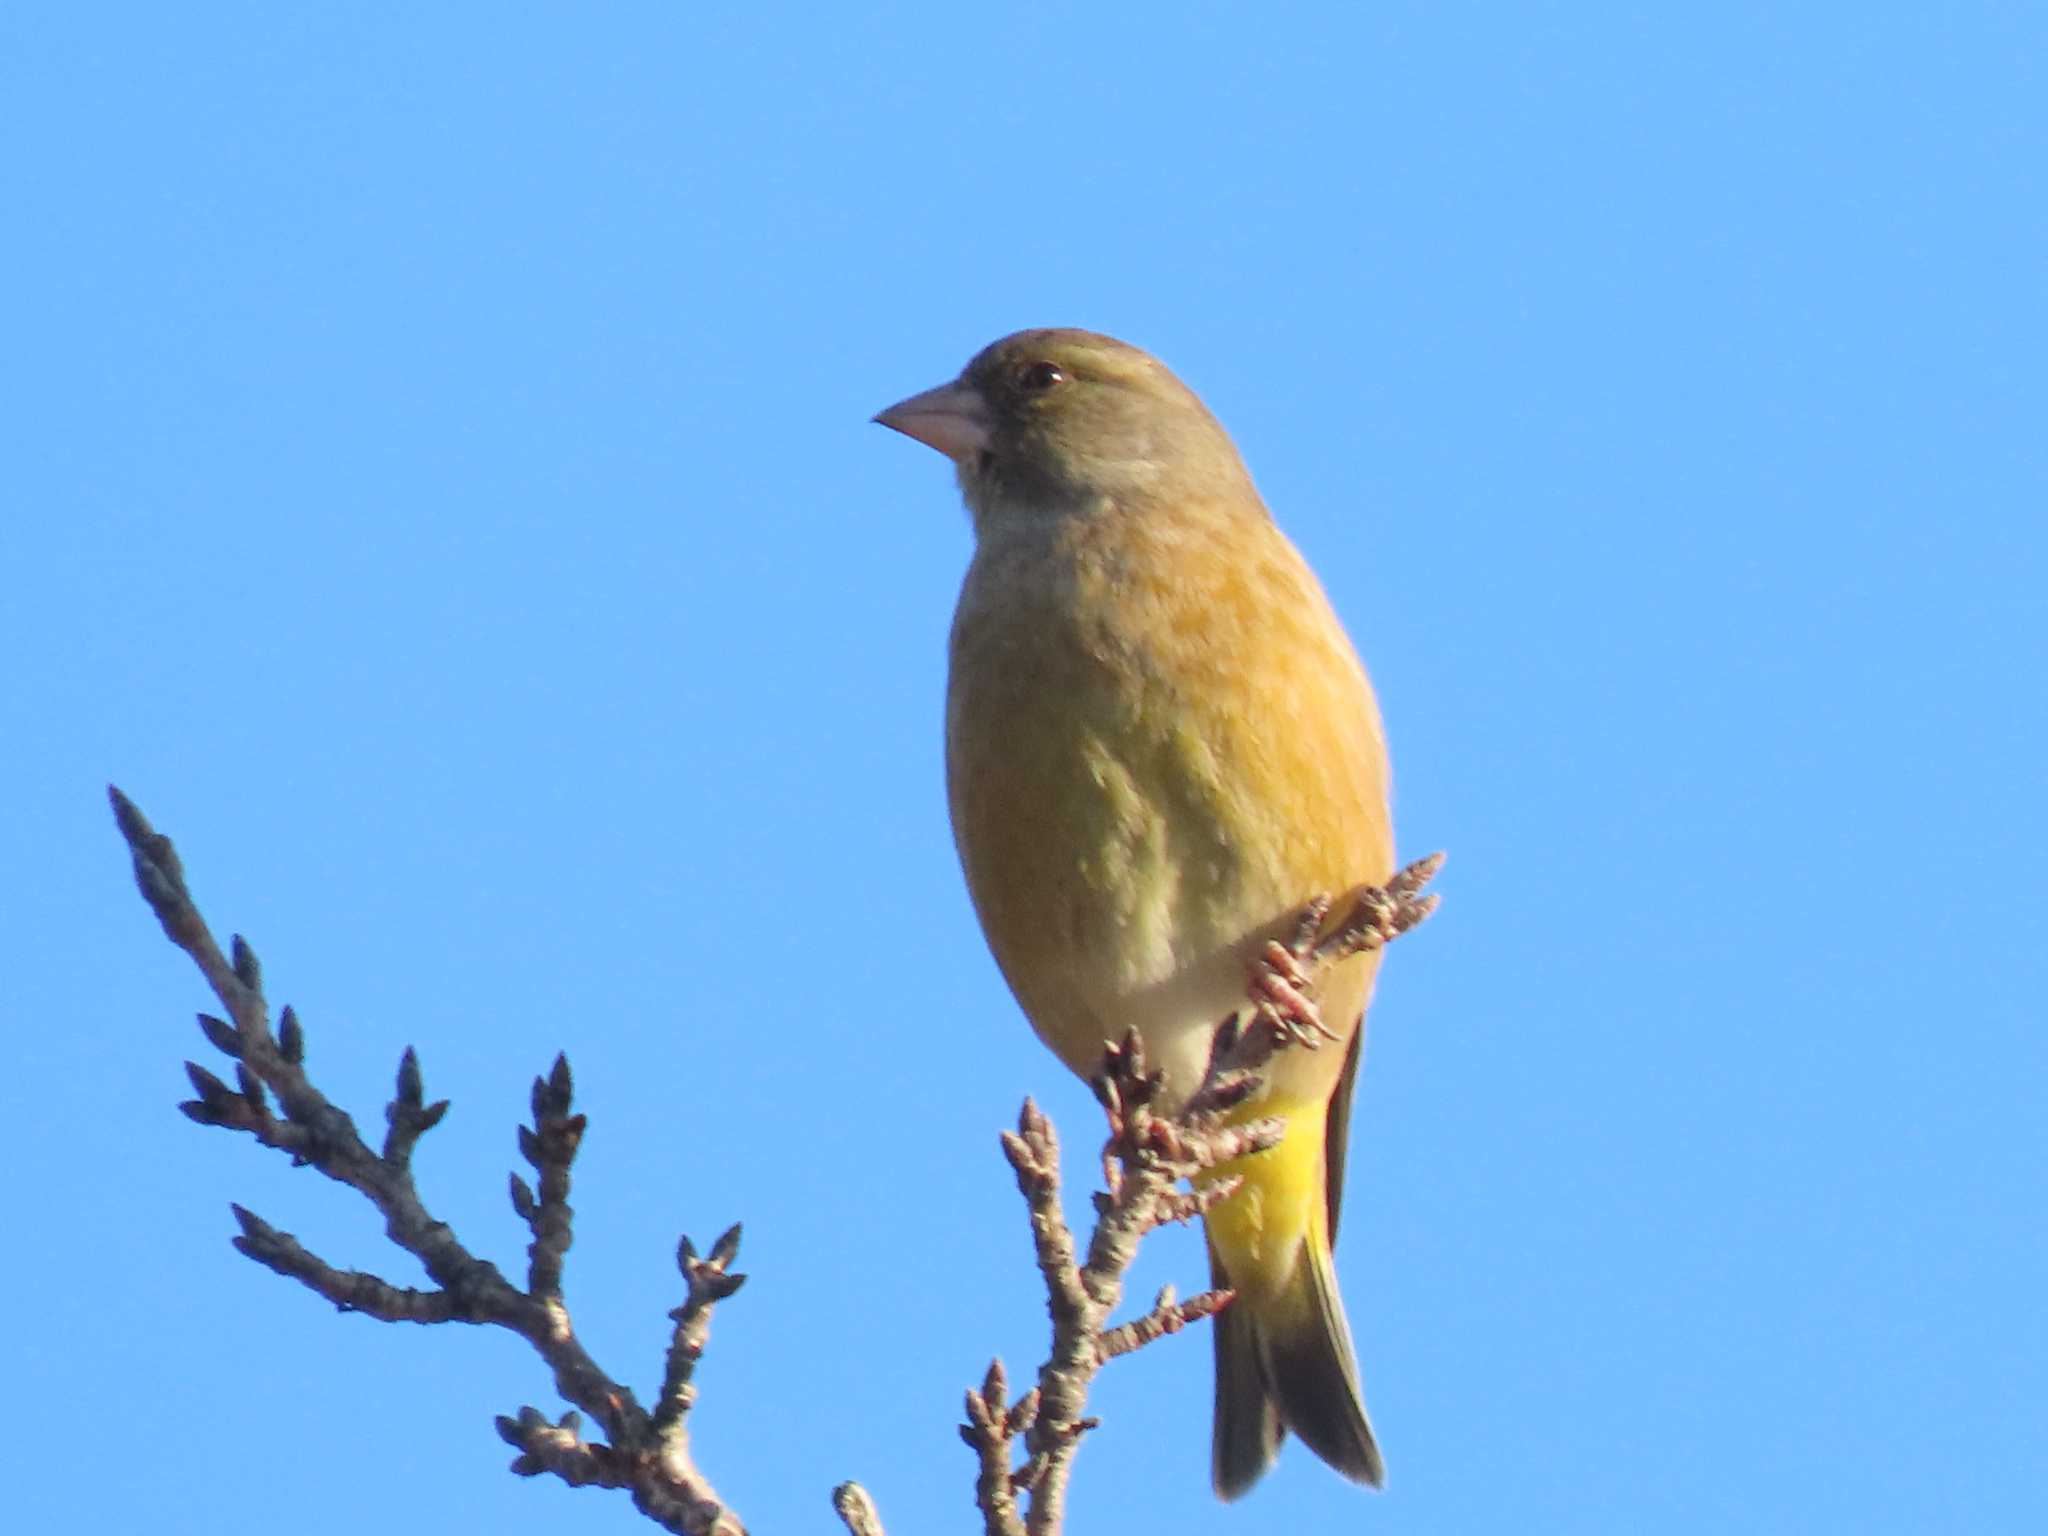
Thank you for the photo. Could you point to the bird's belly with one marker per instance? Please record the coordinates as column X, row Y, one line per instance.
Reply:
column 1103, row 854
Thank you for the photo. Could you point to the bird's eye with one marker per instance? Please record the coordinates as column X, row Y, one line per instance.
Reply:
column 1036, row 378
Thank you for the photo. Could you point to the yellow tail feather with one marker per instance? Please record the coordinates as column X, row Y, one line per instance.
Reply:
column 1283, row 1350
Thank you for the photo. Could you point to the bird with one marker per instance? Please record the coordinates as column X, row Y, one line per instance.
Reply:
column 1160, row 745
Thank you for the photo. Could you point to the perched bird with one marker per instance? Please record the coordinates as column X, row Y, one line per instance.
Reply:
column 1159, row 746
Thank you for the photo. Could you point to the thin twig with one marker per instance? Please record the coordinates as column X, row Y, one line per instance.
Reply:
column 1167, row 1316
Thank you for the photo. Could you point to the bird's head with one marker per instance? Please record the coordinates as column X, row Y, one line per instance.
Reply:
column 1047, row 421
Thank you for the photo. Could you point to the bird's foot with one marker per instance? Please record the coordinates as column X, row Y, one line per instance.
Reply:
column 1279, row 983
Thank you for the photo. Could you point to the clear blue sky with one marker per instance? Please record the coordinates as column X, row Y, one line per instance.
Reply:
column 439, row 488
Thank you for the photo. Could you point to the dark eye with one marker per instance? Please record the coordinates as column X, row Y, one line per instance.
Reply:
column 1036, row 378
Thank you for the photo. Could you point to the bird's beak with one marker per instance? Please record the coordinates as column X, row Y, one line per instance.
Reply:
column 952, row 418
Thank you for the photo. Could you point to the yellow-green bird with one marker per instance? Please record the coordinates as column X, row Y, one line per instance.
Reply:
column 1159, row 746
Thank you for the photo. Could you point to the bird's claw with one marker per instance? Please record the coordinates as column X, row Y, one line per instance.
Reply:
column 1279, row 990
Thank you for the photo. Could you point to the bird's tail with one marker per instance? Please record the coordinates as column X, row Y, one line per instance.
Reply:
column 1283, row 1350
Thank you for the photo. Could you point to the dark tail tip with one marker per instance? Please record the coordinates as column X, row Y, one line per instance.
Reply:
column 1310, row 1358
column 1290, row 1369
column 1248, row 1428
column 1319, row 1401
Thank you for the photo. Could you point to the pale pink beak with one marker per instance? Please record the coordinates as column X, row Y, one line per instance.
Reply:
column 952, row 418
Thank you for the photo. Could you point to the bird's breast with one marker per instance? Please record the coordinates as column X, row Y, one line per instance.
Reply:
column 1140, row 791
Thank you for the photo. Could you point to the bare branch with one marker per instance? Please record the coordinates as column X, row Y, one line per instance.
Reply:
column 1148, row 1156
column 647, row 1454
column 1381, row 914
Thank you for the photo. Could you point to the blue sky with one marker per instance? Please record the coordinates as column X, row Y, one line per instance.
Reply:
column 441, row 492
